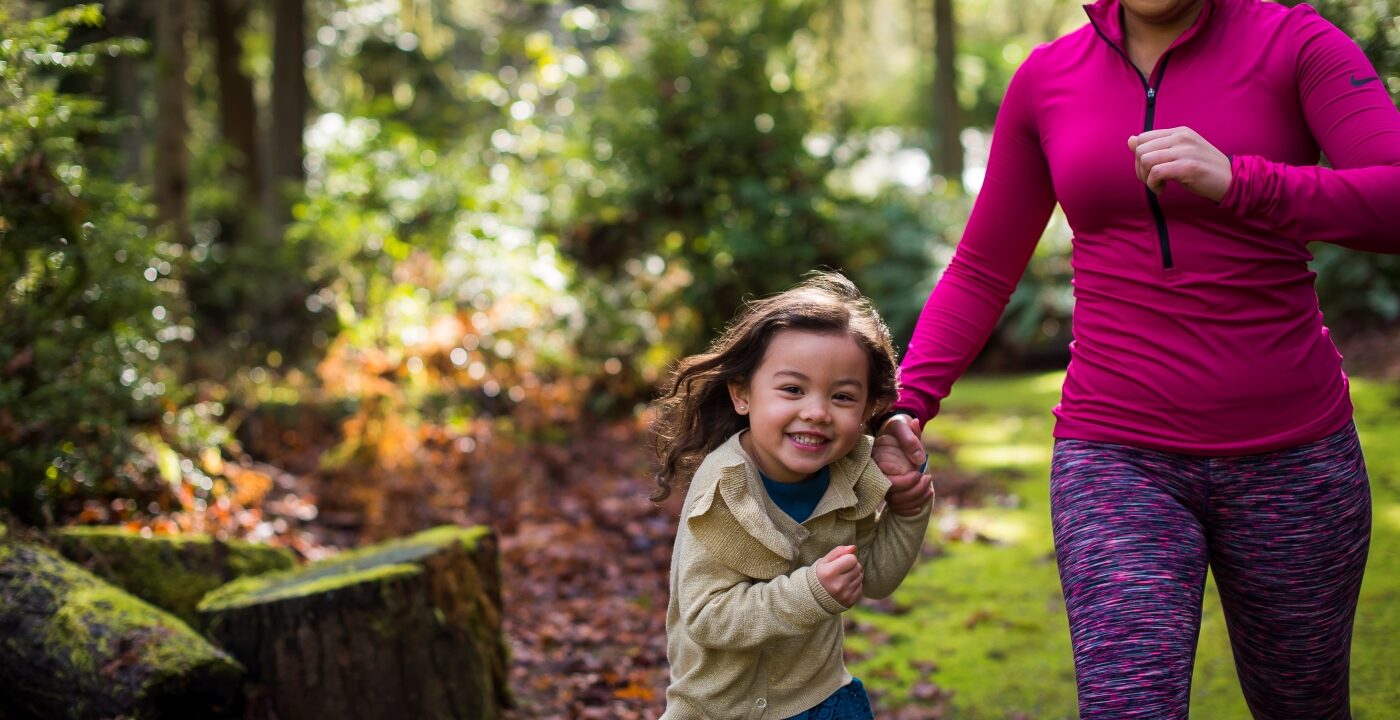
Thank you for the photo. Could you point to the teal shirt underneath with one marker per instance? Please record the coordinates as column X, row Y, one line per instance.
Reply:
column 798, row 499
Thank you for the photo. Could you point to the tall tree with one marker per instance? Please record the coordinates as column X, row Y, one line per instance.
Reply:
column 172, row 155
column 290, row 102
column 947, row 116
column 128, row 18
column 237, row 108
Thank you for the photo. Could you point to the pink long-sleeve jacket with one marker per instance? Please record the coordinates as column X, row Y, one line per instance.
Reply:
column 1196, row 325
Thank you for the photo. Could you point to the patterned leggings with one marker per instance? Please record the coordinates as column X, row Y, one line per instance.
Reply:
column 1286, row 534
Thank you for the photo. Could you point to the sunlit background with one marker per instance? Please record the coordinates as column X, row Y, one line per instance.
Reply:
column 318, row 273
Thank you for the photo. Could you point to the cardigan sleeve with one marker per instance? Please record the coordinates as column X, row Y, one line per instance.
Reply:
column 887, row 548
column 722, row 608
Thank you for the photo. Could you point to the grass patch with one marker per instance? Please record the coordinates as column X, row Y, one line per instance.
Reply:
column 989, row 616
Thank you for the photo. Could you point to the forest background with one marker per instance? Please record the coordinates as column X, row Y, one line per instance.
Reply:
column 321, row 272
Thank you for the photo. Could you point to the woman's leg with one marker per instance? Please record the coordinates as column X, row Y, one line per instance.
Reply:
column 1132, row 557
column 1289, row 535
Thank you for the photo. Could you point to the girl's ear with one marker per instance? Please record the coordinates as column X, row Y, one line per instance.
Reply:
column 739, row 395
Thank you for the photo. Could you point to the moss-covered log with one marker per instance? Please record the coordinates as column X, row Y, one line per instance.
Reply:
column 408, row 628
column 74, row 646
column 172, row 572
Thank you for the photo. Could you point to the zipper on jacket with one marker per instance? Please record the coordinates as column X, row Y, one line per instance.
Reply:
column 1159, row 218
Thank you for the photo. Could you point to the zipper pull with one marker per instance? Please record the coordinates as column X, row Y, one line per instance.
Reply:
column 1151, row 96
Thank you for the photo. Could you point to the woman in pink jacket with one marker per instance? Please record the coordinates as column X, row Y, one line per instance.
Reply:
column 1205, row 417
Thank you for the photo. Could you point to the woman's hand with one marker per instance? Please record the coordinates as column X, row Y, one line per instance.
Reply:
column 841, row 574
column 1181, row 156
column 898, row 453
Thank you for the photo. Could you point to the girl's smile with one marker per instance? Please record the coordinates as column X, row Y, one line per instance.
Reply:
column 808, row 441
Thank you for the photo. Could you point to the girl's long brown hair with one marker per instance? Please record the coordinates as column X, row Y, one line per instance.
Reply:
column 695, row 415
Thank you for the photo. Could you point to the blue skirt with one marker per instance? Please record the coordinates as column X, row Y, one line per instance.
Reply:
column 848, row 703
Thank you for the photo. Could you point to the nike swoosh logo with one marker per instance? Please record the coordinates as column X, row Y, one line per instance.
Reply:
column 1358, row 82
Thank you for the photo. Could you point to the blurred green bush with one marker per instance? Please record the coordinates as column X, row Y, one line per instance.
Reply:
column 88, row 327
column 713, row 168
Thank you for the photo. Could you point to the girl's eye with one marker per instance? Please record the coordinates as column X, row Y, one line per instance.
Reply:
column 790, row 389
column 844, row 397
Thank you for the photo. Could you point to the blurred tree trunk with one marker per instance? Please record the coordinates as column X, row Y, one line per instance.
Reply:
column 172, row 155
column 238, row 110
column 290, row 101
column 947, row 116
column 128, row 18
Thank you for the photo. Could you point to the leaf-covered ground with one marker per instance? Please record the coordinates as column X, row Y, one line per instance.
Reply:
column 585, row 568
column 977, row 632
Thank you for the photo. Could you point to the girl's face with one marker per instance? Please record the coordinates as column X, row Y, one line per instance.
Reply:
column 806, row 403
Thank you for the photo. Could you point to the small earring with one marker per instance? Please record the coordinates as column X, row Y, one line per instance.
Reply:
column 743, row 408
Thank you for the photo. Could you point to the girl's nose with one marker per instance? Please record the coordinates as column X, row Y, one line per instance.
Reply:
column 816, row 412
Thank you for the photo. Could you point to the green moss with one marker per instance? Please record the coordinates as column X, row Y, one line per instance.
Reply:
column 170, row 571
column 368, row 564
column 990, row 615
column 95, row 624
column 297, row 583
column 413, row 547
column 402, row 550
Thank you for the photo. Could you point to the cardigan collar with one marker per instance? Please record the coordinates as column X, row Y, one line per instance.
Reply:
column 729, row 514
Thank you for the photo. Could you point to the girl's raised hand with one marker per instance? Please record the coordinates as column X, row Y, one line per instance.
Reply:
column 897, row 447
column 1181, row 155
column 909, row 493
column 898, row 452
column 841, row 574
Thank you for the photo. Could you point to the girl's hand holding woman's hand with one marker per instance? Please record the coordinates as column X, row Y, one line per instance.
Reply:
column 898, row 453
column 1181, row 156
column 841, row 574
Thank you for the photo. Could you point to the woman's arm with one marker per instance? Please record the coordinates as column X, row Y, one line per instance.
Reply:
column 1006, row 223
column 1351, row 115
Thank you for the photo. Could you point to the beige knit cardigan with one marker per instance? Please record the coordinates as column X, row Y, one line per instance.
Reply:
column 750, row 632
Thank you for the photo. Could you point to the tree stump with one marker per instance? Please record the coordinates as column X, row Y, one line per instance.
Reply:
column 73, row 646
column 407, row 628
column 172, row 572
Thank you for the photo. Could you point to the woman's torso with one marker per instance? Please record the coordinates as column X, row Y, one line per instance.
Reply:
column 1194, row 329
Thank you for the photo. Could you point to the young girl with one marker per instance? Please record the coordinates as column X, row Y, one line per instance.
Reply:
column 780, row 532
